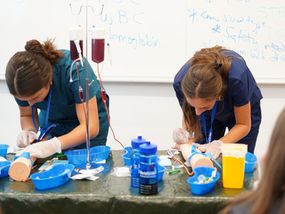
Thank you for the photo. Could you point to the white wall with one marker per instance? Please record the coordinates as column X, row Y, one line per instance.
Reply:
column 147, row 109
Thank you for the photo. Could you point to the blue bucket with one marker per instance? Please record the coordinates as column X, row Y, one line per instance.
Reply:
column 127, row 156
column 202, row 188
column 3, row 149
column 160, row 172
column 78, row 157
column 250, row 162
column 56, row 176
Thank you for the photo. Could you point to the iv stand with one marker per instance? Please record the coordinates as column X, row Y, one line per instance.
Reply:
column 86, row 7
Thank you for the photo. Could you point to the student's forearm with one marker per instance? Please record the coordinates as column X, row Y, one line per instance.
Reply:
column 76, row 137
column 238, row 132
column 27, row 123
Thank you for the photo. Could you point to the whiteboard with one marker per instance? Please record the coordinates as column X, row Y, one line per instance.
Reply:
column 149, row 40
column 253, row 28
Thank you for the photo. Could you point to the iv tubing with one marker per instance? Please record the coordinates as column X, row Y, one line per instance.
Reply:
column 88, row 165
column 70, row 70
column 105, row 105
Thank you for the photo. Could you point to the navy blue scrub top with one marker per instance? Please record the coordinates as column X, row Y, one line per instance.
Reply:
column 64, row 97
column 241, row 89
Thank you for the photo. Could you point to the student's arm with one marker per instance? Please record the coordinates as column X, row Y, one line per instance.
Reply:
column 26, row 118
column 71, row 139
column 78, row 134
column 242, row 126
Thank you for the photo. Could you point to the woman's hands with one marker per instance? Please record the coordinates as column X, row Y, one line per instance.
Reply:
column 180, row 136
column 44, row 149
column 215, row 148
column 25, row 138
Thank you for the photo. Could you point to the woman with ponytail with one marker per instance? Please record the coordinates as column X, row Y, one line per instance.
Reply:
column 217, row 91
column 43, row 79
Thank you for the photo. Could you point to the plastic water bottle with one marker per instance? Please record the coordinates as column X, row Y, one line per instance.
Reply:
column 148, row 169
column 135, row 160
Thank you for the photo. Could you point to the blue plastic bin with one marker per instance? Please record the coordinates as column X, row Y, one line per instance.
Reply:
column 4, row 168
column 56, row 176
column 202, row 188
column 160, row 172
column 78, row 157
column 3, row 149
column 250, row 162
column 127, row 156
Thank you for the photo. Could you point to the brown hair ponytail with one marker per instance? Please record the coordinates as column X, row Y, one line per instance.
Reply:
column 206, row 79
column 47, row 50
column 29, row 71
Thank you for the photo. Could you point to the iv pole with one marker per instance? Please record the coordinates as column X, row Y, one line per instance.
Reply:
column 86, row 7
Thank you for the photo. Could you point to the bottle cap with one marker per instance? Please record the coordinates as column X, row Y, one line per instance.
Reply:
column 147, row 148
column 137, row 142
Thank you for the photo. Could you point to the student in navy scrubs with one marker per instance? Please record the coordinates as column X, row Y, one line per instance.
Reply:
column 45, row 79
column 216, row 91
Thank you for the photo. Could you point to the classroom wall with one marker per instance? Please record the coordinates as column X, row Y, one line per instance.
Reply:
column 147, row 109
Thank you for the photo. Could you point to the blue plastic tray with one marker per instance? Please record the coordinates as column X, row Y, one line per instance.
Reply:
column 4, row 168
column 78, row 157
column 56, row 176
column 202, row 188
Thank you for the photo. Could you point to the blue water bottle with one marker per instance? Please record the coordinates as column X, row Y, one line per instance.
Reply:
column 148, row 169
column 135, row 161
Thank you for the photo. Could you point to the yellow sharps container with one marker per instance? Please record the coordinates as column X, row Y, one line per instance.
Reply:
column 233, row 156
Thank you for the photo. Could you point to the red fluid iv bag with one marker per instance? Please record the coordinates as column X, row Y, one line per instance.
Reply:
column 98, row 46
column 73, row 50
column 76, row 35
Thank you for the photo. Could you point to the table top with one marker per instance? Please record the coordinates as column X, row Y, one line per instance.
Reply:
column 111, row 194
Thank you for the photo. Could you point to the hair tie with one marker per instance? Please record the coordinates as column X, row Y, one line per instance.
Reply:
column 218, row 66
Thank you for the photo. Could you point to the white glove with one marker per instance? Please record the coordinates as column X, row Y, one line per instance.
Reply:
column 180, row 136
column 25, row 138
column 214, row 148
column 44, row 149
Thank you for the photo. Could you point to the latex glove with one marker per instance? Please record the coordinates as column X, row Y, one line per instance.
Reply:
column 44, row 149
column 214, row 148
column 25, row 138
column 180, row 136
